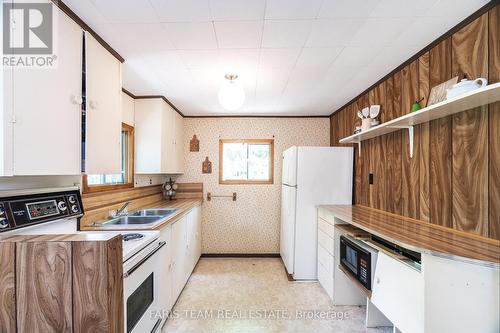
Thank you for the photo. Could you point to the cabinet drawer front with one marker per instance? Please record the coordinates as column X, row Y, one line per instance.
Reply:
column 325, row 241
column 325, row 259
column 398, row 293
column 325, row 279
column 326, row 215
column 326, row 227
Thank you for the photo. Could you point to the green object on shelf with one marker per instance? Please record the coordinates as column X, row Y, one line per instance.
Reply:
column 415, row 107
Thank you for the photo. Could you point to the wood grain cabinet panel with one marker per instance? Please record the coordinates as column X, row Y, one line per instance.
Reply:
column 43, row 284
column 470, row 134
column 440, row 141
column 424, row 141
column 494, row 126
column 7, row 287
column 378, row 146
column 90, row 291
column 410, row 166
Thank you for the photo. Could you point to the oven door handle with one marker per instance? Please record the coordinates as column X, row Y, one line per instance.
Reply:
column 156, row 326
column 143, row 260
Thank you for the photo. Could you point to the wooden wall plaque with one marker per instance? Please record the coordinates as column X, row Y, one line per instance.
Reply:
column 206, row 166
column 194, row 144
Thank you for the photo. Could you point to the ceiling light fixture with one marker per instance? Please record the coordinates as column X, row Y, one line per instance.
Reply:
column 231, row 94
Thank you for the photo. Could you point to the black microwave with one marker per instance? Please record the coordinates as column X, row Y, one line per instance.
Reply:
column 357, row 260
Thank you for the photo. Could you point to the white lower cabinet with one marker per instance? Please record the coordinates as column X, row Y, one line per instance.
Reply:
column 398, row 293
column 183, row 239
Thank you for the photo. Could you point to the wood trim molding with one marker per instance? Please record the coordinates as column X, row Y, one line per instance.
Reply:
column 130, row 169
column 415, row 57
column 126, row 92
column 164, row 99
column 248, row 182
column 260, row 116
column 62, row 6
column 240, row 255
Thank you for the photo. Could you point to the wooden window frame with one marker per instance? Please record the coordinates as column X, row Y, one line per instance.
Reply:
column 129, row 174
column 270, row 181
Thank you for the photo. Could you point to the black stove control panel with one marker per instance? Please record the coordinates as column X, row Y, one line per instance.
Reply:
column 26, row 210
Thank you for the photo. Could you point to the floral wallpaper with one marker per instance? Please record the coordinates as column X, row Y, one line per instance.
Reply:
column 251, row 224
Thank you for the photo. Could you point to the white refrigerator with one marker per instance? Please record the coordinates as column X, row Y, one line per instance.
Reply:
column 311, row 176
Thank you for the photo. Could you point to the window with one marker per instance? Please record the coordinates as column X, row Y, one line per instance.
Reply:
column 96, row 183
column 249, row 161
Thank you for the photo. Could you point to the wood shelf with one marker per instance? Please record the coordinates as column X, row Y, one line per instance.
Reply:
column 467, row 101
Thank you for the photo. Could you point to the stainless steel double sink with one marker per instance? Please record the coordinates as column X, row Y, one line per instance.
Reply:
column 144, row 217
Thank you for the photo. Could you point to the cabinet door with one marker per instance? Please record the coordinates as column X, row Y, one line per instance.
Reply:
column 46, row 131
column 179, row 256
column 179, row 143
column 166, row 278
column 148, row 136
column 197, row 234
column 168, row 163
column 103, row 73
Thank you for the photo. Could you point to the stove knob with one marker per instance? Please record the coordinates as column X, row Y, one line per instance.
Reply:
column 62, row 206
column 74, row 208
column 3, row 223
column 71, row 199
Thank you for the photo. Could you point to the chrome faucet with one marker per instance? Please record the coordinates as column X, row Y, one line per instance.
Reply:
column 122, row 211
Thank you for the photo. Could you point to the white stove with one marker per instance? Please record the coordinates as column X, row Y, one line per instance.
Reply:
column 133, row 242
column 56, row 211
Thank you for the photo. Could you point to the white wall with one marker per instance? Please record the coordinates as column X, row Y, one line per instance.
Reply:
column 128, row 109
column 252, row 223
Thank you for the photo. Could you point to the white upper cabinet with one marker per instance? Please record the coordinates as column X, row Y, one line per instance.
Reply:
column 103, row 109
column 41, row 118
column 178, row 143
column 150, row 118
column 156, row 124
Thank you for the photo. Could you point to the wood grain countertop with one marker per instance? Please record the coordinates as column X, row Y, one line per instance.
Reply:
column 77, row 237
column 420, row 236
column 183, row 206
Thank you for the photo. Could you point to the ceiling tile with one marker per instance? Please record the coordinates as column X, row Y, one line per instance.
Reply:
column 241, row 34
column 129, row 11
column 195, row 35
column 239, row 60
column 199, row 58
column 332, row 33
column 381, row 31
column 231, row 10
column 346, row 8
column 182, row 11
column 458, row 9
column 401, row 8
column 142, row 38
column 356, row 56
column 278, row 58
column 318, row 57
column 279, row 34
column 292, row 9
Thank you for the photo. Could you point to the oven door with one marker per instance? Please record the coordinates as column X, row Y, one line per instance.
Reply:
column 143, row 310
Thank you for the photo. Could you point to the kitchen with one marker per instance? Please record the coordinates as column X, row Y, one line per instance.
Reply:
column 250, row 166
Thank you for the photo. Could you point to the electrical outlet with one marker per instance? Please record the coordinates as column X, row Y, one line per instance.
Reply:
column 370, row 179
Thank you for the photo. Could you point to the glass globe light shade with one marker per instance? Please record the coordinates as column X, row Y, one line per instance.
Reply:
column 231, row 94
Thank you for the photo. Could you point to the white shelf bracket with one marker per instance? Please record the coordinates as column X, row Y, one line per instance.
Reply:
column 410, row 136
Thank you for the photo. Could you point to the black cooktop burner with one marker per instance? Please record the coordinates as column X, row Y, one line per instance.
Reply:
column 128, row 237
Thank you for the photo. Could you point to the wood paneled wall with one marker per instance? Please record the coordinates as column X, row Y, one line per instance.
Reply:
column 98, row 205
column 453, row 179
